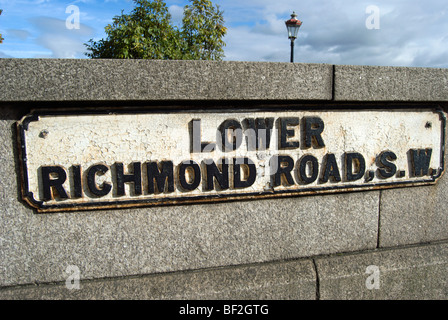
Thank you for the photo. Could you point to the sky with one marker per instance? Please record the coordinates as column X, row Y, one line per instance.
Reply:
column 346, row 32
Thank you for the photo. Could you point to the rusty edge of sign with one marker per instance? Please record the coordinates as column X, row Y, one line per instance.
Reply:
column 40, row 207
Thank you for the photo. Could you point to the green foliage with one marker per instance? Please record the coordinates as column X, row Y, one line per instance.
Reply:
column 203, row 30
column 147, row 33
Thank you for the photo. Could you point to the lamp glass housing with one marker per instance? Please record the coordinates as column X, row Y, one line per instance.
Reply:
column 293, row 30
column 293, row 26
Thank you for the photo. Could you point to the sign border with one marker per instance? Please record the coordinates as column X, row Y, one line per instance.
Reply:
column 40, row 207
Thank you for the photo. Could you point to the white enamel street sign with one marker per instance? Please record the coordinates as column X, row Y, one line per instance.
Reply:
column 125, row 159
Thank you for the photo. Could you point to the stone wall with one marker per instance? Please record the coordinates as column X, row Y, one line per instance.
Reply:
column 302, row 247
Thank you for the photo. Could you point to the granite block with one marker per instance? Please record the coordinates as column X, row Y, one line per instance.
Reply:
column 154, row 80
column 291, row 280
column 414, row 215
column 374, row 83
column 412, row 273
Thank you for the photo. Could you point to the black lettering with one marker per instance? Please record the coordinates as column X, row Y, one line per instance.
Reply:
column 285, row 133
column 420, row 160
column 249, row 169
column 196, row 144
column 330, row 169
column 369, row 176
column 312, row 163
column 258, row 133
column 162, row 175
column 281, row 167
column 135, row 178
column 189, row 175
column 77, row 181
column 386, row 168
column 312, row 131
column 51, row 184
column 212, row 173
column 354, row 162
column 229, row 135
column 105, row 187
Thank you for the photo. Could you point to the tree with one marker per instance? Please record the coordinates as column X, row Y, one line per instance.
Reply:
column 203, row 30
column 147, row 33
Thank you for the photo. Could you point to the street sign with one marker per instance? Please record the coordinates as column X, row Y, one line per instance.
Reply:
column 143, row 158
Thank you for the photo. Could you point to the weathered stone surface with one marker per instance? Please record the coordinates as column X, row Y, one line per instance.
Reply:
column 372, row 83
column 39, row 247
column 143, row 80
column 129, row 247
column 293, row 280
column 414, row 215
column 411, row 273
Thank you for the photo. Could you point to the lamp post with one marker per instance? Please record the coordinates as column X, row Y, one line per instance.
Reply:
column 293, row 26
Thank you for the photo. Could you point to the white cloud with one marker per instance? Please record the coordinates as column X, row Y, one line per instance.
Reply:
column 177, row 14
column 4, row 55
column 412, row 33
column 62, row 46
column 25, row 54
column 20, row 34
column 62, row 42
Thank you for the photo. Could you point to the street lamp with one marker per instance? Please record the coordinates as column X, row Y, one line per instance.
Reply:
column 293, row 26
